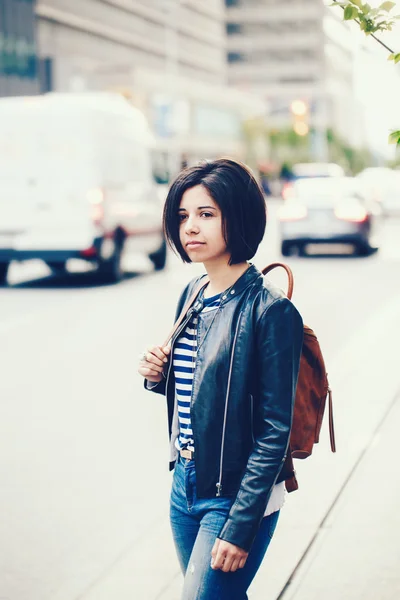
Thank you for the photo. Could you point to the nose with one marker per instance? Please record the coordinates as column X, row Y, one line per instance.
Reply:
column 191, row 225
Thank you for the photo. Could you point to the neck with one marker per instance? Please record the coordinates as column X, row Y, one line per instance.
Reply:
column 222, row 276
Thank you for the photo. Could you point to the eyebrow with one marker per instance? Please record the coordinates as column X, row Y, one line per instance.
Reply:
column 200, row 208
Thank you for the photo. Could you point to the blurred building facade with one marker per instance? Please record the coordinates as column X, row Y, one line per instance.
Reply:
column 168, row 56
column 19, row 70
column 296, row 51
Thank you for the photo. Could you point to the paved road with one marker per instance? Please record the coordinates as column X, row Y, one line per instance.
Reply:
column 83, row 456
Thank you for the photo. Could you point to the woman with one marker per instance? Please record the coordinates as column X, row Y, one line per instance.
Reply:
column 229, row 377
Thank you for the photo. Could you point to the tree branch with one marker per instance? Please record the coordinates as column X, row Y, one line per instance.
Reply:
column 371, row 34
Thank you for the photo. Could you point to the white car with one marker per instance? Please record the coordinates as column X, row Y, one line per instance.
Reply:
column 76, row 182
column 311, row 171
column 333, row 213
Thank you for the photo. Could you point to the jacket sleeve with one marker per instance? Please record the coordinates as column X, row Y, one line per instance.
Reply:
column 279, row 338
column 159, row 388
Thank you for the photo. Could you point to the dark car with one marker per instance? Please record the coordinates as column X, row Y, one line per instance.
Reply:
column 331, row 212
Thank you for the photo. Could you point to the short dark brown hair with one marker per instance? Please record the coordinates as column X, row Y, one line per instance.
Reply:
column 234, row 188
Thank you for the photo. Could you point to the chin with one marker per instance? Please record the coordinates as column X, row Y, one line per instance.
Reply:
column 197, row 259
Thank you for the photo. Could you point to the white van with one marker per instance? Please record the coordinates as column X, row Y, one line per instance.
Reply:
column 76, row 182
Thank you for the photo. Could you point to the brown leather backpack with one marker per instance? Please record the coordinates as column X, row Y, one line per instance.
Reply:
column 311, row 394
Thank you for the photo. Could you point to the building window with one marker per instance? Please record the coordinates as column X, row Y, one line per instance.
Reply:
column 232, row 28
column 235, row 57
column 45, row 74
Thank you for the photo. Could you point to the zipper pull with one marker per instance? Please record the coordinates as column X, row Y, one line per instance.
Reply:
column 219, row 489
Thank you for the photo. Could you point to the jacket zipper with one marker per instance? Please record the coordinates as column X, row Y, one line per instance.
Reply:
column 219, row 484
column 252, row 416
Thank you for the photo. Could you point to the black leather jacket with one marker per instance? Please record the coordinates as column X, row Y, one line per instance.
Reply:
column 242, row 400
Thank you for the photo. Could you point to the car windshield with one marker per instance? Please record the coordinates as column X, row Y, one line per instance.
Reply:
column 325, row 192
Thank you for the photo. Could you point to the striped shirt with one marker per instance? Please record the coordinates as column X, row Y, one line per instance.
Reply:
column 184, row 361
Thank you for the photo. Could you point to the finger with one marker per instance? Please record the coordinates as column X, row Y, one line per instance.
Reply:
column 235, row 564
column 219, row 560
column 145, row 370
column 242, row 562
column 153, row 359
column 149, row 373
column 152, row 366
column 158, row 352
column 215, row 548
column 228, row 562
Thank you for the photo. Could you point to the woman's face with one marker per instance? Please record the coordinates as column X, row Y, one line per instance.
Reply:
column 200, row 228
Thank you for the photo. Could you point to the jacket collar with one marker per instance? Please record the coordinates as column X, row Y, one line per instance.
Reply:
column 248, row 277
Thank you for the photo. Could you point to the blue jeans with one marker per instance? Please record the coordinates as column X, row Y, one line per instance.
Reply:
column 195, row 526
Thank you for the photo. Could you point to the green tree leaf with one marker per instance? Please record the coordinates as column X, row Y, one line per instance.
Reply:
column 366, row 9
column 350, row 12
column 363, row 24
column 394, row 137
column 387, row 6
column 357, row 3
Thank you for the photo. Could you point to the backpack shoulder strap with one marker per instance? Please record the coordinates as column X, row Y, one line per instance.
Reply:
column 186, row 307
column 331, row 424
column 289, row 274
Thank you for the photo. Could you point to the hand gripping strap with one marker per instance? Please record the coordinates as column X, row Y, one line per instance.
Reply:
column 185, row 309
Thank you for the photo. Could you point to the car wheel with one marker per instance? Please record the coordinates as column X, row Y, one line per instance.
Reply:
column 290, row 249
column 58, row 267
column 364, row 250
column 159, row 258
column 286, row 249
column 111, row 269
column 302, row 250
column 3, row 272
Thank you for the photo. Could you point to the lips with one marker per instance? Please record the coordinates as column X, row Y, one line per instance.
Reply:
column 194, row 244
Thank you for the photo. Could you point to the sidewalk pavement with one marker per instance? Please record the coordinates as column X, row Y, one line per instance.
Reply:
column 356, row 553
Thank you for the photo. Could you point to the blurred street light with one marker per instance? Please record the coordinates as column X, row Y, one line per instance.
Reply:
column 301, row 128
column 299, row 108
column 300, row 114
